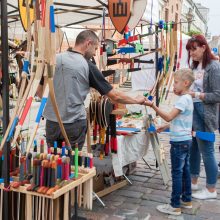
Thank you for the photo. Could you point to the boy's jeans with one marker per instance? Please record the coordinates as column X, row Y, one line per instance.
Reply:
column 180, row 170
column 202, row 148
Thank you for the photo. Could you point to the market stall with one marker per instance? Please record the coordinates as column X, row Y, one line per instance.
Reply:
column 126, row 50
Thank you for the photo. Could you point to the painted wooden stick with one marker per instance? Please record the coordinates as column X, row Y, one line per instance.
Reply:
column 205, row 136
column 76, row 156
column 38, row 118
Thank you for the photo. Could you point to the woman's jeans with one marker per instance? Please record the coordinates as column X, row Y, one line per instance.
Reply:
column 204, row 148
column 180, row 169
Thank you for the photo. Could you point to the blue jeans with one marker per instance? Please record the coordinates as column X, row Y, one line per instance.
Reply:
column 180, row 170
column 204, row 149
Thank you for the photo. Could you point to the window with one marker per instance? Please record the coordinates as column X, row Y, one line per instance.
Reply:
column 166, row 15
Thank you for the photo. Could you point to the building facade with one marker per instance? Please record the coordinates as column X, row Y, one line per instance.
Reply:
column 170, row 10
column 194, row 16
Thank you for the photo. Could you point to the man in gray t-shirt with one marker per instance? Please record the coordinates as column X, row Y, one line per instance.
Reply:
column 74, row 75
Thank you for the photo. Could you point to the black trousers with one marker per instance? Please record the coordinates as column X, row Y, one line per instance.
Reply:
column 76, row 133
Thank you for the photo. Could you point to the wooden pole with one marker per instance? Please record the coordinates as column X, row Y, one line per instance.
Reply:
column 5, row 91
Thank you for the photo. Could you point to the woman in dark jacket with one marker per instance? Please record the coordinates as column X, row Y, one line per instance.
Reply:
column 206, row 96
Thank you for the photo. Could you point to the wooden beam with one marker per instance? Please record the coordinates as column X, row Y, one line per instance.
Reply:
column 112, row 188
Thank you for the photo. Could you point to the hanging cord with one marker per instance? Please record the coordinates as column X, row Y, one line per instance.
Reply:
column 151, row 15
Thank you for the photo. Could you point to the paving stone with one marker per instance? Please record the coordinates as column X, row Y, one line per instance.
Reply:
column 112, row 204
column 158, row 176
column 155, row 186
column 143, row 174
column 133, row 200
column 131, row 194
column 115, row 218
column 211, row 206
column 156, row 198
column 126, row 213
column 150, row 204
column 94, row 215
column 113, row 197
column 139, row 189
column 157, row 181
column 208, row 215
column 158, row 218
column 135, row 183
column 148, row 172
column 129, row 206
column 138, row 178
column 163, row 193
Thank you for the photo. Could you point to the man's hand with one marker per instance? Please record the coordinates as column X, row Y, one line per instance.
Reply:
column 140, row 99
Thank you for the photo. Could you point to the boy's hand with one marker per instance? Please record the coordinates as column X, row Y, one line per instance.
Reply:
column 162, row 128
column 148, row 103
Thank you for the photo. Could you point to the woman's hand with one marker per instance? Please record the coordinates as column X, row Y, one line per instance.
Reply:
column 191, row 93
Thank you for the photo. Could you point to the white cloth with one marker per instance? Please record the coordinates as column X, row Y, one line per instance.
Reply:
column 143, row 79
column 197, row 85
column 130, row 149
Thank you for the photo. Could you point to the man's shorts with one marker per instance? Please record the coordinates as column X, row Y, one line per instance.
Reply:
column 76, row 133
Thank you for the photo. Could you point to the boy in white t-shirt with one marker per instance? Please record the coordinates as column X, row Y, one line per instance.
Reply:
column 181, row 140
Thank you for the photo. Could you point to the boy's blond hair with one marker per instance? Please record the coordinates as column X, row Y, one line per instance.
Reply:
column 185, row 74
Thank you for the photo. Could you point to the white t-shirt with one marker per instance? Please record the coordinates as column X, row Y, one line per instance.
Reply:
column 197, row 86
column 181, row 126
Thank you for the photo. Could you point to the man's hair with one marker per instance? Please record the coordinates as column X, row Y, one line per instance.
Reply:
column 185, row 74
column 86, row 35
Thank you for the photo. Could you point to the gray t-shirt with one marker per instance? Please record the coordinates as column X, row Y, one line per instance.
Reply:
column 74, row 75
column 71, row 85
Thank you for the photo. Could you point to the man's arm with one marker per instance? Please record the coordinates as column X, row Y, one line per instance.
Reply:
column 120, row 97
column 98, row 81
column 39, row 92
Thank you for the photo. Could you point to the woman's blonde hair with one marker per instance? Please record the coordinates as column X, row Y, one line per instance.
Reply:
column 185, row 74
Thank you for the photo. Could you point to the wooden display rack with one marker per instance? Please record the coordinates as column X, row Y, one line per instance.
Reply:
column 44, row 207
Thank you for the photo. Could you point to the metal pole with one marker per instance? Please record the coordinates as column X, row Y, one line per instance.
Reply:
column 5, row 100
column 156, row 64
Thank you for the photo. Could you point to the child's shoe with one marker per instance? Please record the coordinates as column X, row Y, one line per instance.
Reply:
column 168, row 209
column 186, row 205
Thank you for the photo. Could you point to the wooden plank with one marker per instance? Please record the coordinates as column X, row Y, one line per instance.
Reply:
column 119, row 111
column 71, row 185
column 29, row 207
column 112, row 188
column 66, row 206
column 90, row 194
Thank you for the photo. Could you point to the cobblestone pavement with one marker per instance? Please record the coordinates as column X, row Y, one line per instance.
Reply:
column 139, row 200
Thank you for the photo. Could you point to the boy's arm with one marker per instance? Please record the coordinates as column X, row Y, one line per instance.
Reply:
column 167, row 116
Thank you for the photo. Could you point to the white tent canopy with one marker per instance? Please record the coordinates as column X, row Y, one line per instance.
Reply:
column 72, row 13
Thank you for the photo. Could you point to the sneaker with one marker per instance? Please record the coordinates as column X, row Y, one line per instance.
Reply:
column 168, row 209
column 186, row 205
column 205, row 194
column 194, row 187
